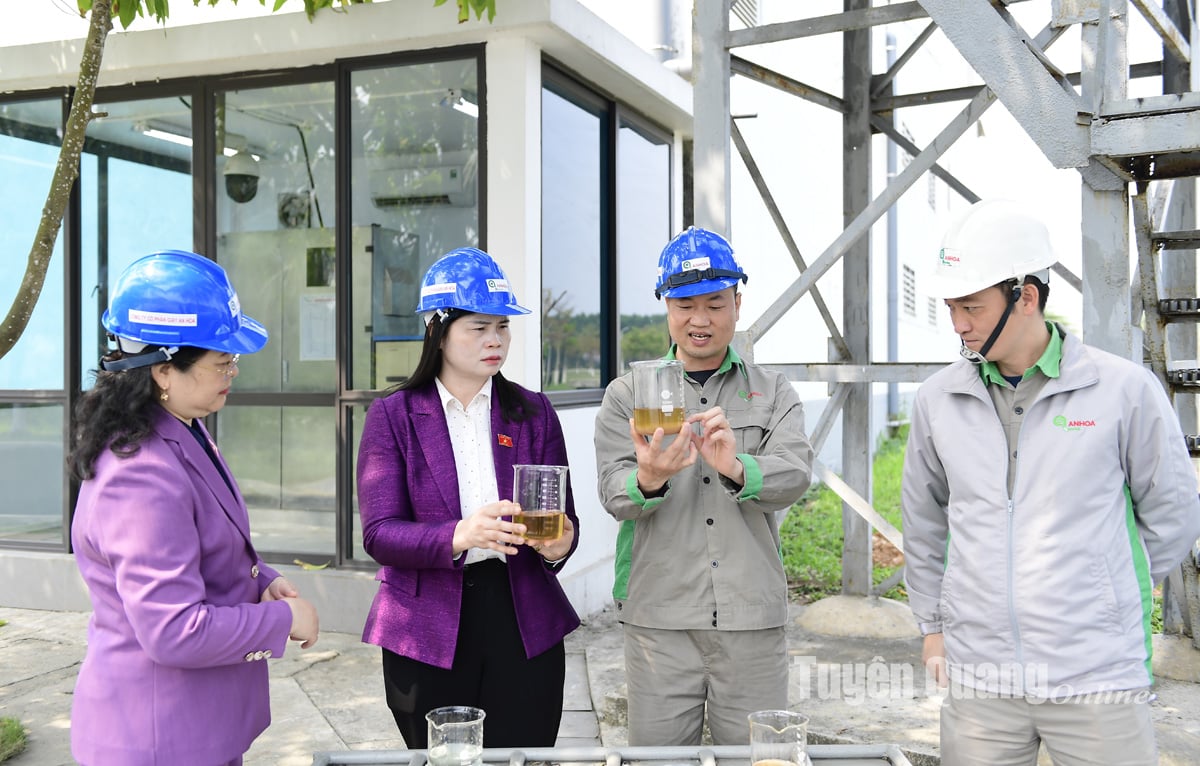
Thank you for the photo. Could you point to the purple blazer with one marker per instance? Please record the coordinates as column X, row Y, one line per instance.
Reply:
column 173, row 671
column 409, row 502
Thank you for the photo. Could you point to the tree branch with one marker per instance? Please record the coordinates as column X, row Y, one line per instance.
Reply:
column 65, row 173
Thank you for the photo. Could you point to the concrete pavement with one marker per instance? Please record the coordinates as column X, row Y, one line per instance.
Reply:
column 327, row 698
column 330, row 698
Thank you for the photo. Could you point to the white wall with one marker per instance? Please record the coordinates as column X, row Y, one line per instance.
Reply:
column 514, row 189
column 588, row 576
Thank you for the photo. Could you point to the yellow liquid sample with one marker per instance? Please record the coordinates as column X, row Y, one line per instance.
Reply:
column 541, row 525
column 646, row 419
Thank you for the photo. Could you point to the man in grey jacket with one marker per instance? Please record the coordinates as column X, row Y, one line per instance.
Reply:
column 1046, row 490
column 699, row 585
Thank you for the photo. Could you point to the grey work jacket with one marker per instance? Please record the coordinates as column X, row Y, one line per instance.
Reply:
column 1047, row 591
column 706, row 555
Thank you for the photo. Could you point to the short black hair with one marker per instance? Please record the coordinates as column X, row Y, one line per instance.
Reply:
column 1043, row 289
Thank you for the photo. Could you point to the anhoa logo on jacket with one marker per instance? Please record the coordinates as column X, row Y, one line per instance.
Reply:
column 1068, row 424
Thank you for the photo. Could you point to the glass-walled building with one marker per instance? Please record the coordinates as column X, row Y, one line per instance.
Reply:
column 326, row 179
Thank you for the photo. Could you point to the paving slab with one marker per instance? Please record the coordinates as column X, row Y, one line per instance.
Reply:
column 577, row 694
column 578, row 725
column 862, row 691
column 323, row 699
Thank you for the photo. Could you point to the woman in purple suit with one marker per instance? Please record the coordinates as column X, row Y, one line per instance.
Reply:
column 468, row 611
column 184, row 610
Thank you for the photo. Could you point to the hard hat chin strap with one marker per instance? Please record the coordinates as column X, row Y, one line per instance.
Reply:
column 692, row 276
column 137, row 358
column 980, row 356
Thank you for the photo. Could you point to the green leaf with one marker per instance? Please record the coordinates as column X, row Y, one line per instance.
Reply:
column 158, row 9
column 484, row 5
column 127, row 11
column 310, row 567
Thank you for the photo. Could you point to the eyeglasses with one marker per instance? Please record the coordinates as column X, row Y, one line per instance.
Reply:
column 228, row 370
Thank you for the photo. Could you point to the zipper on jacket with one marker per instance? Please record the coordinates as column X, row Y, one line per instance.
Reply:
column 1019, row 671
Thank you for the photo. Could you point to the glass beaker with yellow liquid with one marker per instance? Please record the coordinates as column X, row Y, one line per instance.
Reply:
column 658, row 396
column 541, row 491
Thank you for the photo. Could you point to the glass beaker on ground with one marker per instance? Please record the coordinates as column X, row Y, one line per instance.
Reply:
column 778, row 738
column 455, row 736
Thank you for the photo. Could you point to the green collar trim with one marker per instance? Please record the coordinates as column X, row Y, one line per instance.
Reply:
column 1048, row 363
column 731, row 358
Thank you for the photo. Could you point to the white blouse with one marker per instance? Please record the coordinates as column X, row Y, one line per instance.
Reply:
column 471, row 437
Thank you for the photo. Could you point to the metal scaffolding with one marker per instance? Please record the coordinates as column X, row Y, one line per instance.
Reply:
column 1137, row 160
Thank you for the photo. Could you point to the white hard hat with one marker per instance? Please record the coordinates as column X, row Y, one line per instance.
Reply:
column 991, row 242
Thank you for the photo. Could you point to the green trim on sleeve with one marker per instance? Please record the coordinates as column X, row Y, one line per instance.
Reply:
column 753, row 479
column 623, row 558
column 1141, row 568
column 635, row 493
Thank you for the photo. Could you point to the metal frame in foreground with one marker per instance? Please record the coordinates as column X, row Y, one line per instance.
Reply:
column 844, row 755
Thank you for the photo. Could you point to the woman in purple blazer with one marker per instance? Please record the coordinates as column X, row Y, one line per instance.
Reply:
column 468, row 611
column 184, row 610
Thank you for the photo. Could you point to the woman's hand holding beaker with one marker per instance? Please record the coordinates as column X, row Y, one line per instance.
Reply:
column 487, row 529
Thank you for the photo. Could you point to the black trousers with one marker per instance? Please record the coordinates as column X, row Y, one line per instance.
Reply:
column 522, row 697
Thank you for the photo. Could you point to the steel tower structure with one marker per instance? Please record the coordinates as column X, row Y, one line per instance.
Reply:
column 1137, row 159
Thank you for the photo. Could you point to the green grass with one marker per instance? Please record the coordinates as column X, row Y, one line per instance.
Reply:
column 812, row 531
column 12, row 738
column 12, row 733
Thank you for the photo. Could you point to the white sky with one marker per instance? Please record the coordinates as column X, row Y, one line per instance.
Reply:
column 45, row 20
column 804, row 175
column 1005, row 163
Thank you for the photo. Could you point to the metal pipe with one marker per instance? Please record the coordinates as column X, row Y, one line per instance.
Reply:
column 893, row 227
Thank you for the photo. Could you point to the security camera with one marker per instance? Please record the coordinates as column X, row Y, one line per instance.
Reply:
column 241, row 177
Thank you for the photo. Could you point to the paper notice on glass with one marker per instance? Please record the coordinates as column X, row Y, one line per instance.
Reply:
column 317, row 327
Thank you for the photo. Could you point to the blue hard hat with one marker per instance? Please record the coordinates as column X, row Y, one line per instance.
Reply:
column 177, row 298
column 468, row 279
column 696, row 262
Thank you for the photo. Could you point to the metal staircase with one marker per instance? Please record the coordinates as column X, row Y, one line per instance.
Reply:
column 1172, row 358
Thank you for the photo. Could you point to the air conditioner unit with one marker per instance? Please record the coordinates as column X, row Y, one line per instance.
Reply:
column 448, row 184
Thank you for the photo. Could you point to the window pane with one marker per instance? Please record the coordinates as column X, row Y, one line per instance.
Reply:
column 414, row 137
column 31, row 472
column 29, row 146
column 275, row 224
column 140, row 145
column 571, row 243
column 283, row 460
column 643, row 229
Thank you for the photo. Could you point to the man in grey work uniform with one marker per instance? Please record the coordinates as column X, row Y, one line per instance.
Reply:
column 699, row 585
column 1046, row 489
